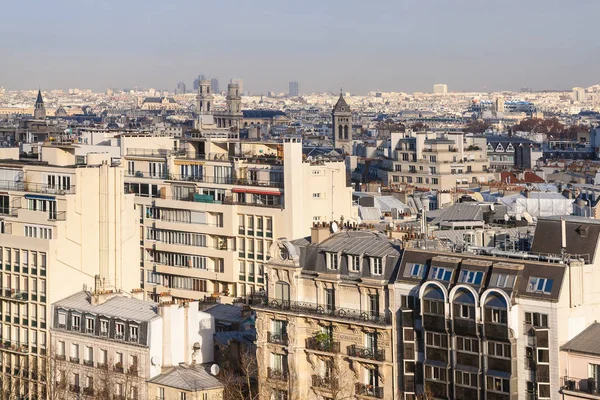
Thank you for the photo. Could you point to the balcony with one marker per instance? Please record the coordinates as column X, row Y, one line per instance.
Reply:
column 226, row 180
column 118, row 367
column 15, row 347
column 277, row 374
column 496, row 331
column 366, row 353
column 324, row 345
column 369, row 391
column 12, row 294
column 465, row 327
column 35, row 187
column 88, row 391
column 586, row 385
column 74, row 388
column 323, row 382
column 322, row 311
column 434, row 322
column 88, row 363
column 277, row 338
column 74, row 360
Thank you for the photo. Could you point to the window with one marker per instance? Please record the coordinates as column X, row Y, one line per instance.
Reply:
column 502, row 280
column 434, row 307
column 436, row 339
column 498, row 316
column 75, row 351
column 161, row 393
column 332, row 261
column 441, row 274
column 316, row 195
column 62, row 320
column 435, row 373
column 354, row 263
column 467, row 344
column 472, row 277
column 498, row 384
column 466, row 311
column 497, row 349
column 416, row 270
column 466, row 379
column 89, row 354
column 330, row 298
column 119, row 330
column 61, row 348
column 76, row 323
column 103, row 357
column 377, row 265
column 540, row 285
column 536, row 319
column 89, row 325
column 133, row 333
column 103, row 328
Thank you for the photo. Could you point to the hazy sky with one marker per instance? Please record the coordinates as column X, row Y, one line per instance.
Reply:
column 402, row 45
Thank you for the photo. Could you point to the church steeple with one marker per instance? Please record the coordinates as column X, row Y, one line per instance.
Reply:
column 342, row 125
column 39, row 111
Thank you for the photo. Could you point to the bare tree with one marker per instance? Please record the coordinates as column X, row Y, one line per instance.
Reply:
column 338, row 380
column 239, row 375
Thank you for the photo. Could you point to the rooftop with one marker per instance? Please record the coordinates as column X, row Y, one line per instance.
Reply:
column 588, row 341
column 117, row 306
column 189, row 378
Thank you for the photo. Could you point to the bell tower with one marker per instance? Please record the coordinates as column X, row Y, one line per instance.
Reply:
column 39, row 111
column 204, row 99
column 342, row 125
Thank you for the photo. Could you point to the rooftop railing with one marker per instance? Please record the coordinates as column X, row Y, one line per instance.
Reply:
column 303, row 307
column 208, row 179
column 35, row 187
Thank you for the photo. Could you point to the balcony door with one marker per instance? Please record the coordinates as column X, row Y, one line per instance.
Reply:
column 282, row 293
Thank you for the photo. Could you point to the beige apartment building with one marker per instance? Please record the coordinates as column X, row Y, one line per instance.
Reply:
column 211, row 205
column 325, row 328
column 437, row 162
column 63, row 220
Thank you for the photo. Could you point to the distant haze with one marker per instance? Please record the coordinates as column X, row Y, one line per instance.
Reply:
column 391, row 45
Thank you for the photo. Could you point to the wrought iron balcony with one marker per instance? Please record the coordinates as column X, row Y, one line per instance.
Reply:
column 277, row 374
column 369, row 353
column 277, row 338
column 322, row 310
column 12, row 294
column 369, row 391
column 14, row 346
column 323, row 382
column 586, row 385
column 74, row 388
column 327, row 346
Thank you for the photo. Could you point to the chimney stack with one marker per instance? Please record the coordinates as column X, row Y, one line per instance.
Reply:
column 319, row 232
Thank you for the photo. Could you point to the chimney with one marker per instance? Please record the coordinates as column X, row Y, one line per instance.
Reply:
column 319, row 233
column 563, row 231
column 137, row 294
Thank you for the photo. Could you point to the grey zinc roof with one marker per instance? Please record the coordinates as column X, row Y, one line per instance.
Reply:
column 187, row 377
column 226, row 312
column 587, row 341
column 360, row 242
column 386, row 203
column 369, row 213
column 461, row 212
column 118, row 306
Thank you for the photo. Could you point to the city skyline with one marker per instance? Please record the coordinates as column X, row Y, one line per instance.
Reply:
column 491, row 55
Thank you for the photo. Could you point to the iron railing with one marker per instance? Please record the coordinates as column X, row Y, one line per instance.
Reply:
column 328, row 345
column 369, row 353
column 277, row 338
column 369, row 390
column 321, row 310
column 277, row 374
column 324, row 382
column 21, row 186
column 586, row 385
column 12, row 294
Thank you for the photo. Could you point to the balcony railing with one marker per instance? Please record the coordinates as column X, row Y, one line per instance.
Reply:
column 277, row 374
column 586, row 385
column 14, row 346
column 323, row 382
column 369, row 391
column 88, row 391
column 321, row 310
column 74, row 388
column 208, row 179
column 327, row 346
column 35, row 187
column 12, row 294
column 277, row 338
column 366, row 353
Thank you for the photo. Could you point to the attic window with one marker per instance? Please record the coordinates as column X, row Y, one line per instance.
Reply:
column 441, row 274
column 540, row 285
column 332, row 261
column 582, row 230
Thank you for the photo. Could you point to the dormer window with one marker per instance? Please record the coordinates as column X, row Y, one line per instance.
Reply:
column 62, row 320
column 415, row 270
column 540, row 285
column 119, row 330
column 354, row 263
column 441, row 274
column 472, row 277
column 376, row 265
column 76, row 323
column 133, row 333
column 332, row 261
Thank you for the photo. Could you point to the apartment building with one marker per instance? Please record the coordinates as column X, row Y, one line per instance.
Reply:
column 580, row 357
column 324, row 326
column 491, row 327
column 211, row 205
column 434, row 161
column 108, row 344
column 63, row 220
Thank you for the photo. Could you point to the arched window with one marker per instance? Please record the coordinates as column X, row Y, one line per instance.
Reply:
column 341, row 132
column 345, row 131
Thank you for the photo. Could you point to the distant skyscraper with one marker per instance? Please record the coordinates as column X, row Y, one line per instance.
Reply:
column 293, row 88
column 180, row 88
column 240, row 84
column 201, row 77
column 214, row 85
column 578, row 94
column 440, row 88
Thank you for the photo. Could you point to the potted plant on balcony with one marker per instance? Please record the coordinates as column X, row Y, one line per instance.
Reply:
column 323, row 340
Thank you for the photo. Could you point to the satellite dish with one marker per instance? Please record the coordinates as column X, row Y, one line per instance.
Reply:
column 155, row 360
column 334, row 227
column 215, row 369
column 506, row 217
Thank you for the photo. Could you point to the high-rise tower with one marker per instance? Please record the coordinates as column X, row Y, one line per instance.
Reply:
column 342, row 125
column 39, row 111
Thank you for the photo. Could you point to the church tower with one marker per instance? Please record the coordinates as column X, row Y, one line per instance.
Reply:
column 205, row 99
column 39, row 111
column 234, row 106
column 342, row 125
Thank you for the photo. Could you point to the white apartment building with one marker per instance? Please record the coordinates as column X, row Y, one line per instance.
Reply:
column 109, row 343
column 428, row 160
column 211, row 205
column 440, row 88
column 63, row 220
